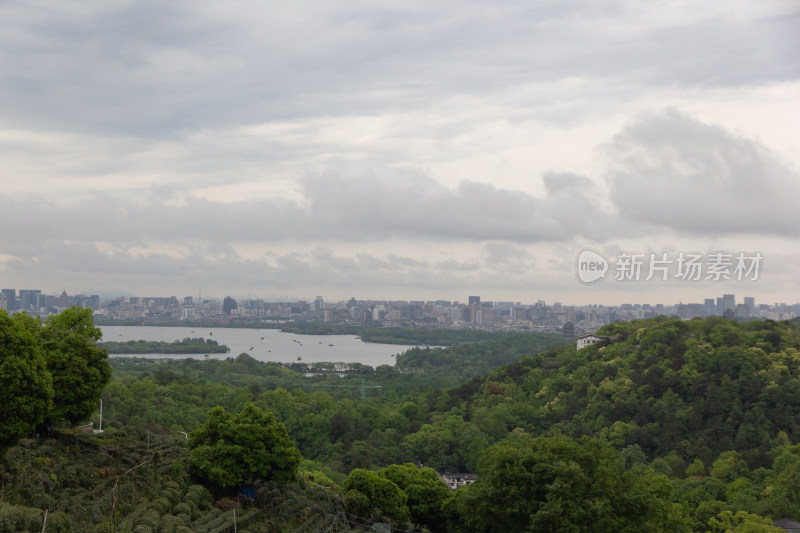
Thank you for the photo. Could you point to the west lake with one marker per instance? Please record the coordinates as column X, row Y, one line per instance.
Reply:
column 263, row 344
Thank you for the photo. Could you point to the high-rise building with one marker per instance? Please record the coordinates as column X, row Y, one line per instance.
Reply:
column 228, row 305
column 728, row 303
column 11, row 298
column 750, row 303
column 29, row 299
column 486, row 316
column 521, row 313
column 474, row 300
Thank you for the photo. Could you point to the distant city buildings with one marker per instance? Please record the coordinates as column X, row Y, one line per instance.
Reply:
column 570, row 321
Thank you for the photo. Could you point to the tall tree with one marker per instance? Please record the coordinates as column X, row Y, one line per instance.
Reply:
column 375, row 497
column 79, row 367
column 26, row 387
column 250, row 445
column 559, row 484
column 425, row 492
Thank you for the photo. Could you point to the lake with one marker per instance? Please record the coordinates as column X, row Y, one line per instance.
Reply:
column 264, row 344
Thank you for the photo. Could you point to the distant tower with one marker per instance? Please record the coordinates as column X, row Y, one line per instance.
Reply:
column 728, row 303
column 750, row 302
column 228, row 305
column 568, row 329
column 11, row 298
column 474, row 306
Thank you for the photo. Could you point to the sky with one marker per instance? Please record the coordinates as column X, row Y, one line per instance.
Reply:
column 408, row 150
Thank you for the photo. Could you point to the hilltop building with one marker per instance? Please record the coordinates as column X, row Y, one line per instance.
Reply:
column 590, row 339
column 454, row 481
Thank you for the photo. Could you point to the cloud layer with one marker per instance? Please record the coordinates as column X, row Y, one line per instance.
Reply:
column 442, row 146
column 666, row 171
column 674, row 171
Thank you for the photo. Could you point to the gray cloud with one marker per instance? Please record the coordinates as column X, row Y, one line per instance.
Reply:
column 159, row 69
column 672, row 170
column 132, row 125
column 81, row 266
column 369, row 206
column 668, row 171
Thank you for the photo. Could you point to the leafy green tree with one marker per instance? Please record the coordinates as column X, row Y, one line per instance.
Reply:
column 250, row 445
column 741, row 522
column 79, row 367
column 559, row 484
column 26, row 388
column 372, row 496
column 697, row 468
column 783, row 490
column 425, row 492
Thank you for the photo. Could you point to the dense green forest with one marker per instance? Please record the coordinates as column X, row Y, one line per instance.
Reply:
column 670, row 426
column 185, row 346
column 477, row 358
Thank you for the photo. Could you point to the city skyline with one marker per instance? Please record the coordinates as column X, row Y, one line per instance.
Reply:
column 472, row 313
column 17, row 293
column 424, row 150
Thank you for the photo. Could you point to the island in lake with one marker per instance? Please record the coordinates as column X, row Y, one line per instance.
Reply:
column 187, row 345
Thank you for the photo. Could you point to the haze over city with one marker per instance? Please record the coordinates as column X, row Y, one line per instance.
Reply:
column 413, row 152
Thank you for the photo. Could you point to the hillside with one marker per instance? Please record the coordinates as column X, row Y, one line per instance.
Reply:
column 693, row 388
column 696, row 423
column 137, row 481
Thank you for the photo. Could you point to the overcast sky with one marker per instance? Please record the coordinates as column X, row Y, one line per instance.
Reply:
column 424, row 150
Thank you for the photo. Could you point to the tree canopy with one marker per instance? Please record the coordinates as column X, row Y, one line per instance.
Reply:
column 559, row 484
column 425, row 493
column 229, row 450
column 50, row 373
column 79, row 367
column 371, row 495
column 26, row 387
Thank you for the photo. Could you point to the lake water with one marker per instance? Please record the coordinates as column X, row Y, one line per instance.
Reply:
column 264, row 344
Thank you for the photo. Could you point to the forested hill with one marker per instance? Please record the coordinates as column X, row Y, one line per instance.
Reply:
column 679, row 390
column 671, row 426
column 473, row 358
